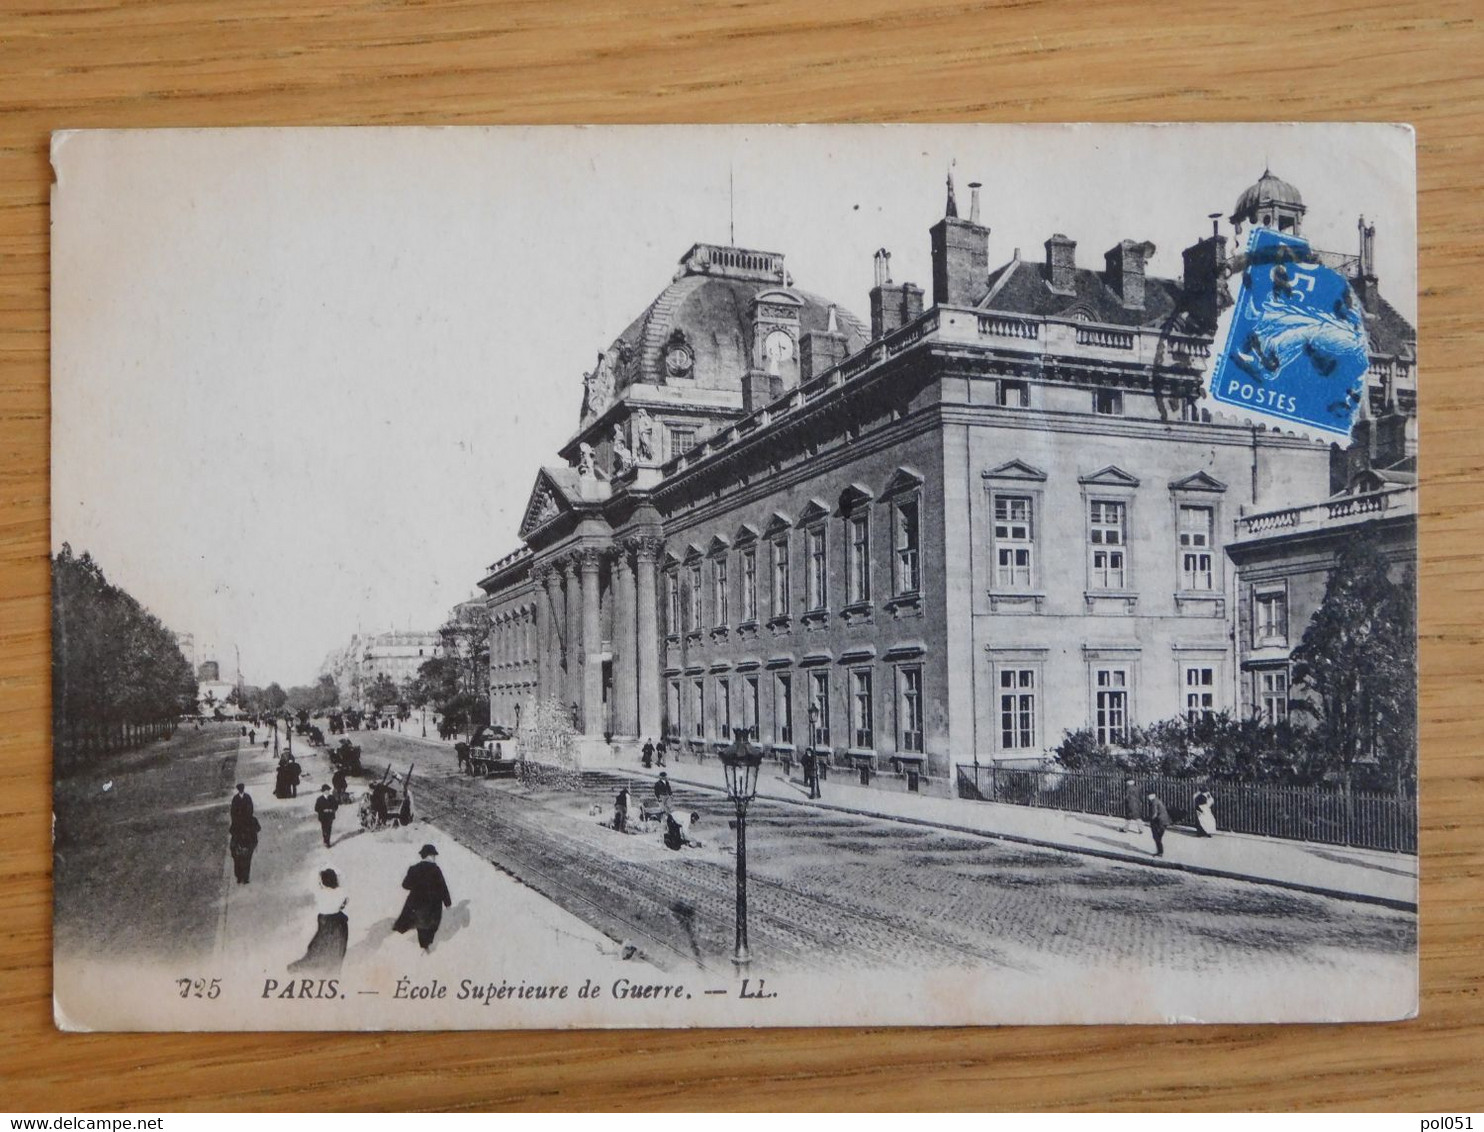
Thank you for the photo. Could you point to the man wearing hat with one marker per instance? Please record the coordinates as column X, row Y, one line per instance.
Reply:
column 663, row 790
column 427, row 896
column 1159, row 820
column 324, row 807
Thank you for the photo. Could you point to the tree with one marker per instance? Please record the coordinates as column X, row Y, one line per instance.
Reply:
column 382, row 691
column 1355, row 671
column 466, row 643
column 118, row 676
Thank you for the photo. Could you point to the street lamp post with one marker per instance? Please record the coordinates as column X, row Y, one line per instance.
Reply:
column 740, row 763
column 814, row 725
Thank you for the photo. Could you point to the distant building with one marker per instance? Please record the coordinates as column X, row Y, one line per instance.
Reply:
column 208, row 672
column 397, row 655
column 950, row 535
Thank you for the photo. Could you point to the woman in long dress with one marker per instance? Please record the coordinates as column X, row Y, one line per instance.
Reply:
column 327, row 948
column 1205, row 813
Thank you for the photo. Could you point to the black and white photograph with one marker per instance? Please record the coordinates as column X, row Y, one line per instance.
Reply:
column 746, row 576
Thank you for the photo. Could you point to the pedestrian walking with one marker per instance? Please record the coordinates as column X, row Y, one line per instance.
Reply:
column 1132, row 805
column 295, row 773
column 242, row 835
column 1159, row 820
column 332, row 931
column 659, row 753
column 648, row 753
column 663, row 790
column 427, row 896
column 324, row 809
column 812, row 761
column 1205, row 814
column 252, row 737
column 621, row 809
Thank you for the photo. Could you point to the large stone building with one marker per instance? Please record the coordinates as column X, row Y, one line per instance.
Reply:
column 946, row 537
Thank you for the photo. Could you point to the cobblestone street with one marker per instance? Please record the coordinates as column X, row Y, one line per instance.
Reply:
column 833, row 891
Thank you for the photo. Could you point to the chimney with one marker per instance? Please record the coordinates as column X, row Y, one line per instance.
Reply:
column 1205, row 288
column 822, row 349
column 892, row 304
column 1365, row 281
column 960, row 254
column 974, row 188
column 1061, row 264
column 1124, row 264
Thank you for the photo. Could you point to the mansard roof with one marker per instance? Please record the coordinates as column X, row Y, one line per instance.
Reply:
column 1024, row 287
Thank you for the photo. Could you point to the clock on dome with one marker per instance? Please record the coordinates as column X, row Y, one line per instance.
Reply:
column 778, row 348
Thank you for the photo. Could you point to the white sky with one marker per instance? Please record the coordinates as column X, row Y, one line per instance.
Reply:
column 302, row 379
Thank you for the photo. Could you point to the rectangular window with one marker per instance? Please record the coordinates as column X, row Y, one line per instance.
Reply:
column 1108, row 403
column 819, row 709
column 858, row 530
column 1111, row 705
column 783, row 707
column 907, row 538
column 719, row 590
column 682, row 440
column 696, row 617
column 749, row 585
column 672, row 584
column 1196, row 526
column 1273, row 687
column 860, row 708
column 672, row 720
column 1270, row 615
column 817, row 578
column 1015, row 395
column 1107, row 538
column 909, row 683
column 749, row 706
column 698, row 708
column 724, row 707
column 780, row 578
column 1014, row 541
column 1017, row 708
column 1200, row 693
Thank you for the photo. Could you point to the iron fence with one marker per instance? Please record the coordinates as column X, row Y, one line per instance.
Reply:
column 1301, row 813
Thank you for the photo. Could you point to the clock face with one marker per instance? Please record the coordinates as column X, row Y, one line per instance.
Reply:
column 678, row 361
column 778, row 347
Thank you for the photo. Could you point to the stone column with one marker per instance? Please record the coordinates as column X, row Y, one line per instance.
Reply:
column 646, row 555
column 590, row 562
column 572, row 645
column 551, row 685
column 625, row 654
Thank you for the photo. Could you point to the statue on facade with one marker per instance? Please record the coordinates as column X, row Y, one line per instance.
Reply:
column 598, row 387
column 644, row 430
column 585, row 467
column 623, row 458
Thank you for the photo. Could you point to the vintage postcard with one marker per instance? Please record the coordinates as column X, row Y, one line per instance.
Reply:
column 746, row 576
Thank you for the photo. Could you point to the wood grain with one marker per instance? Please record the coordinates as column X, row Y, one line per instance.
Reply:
column 269, row 62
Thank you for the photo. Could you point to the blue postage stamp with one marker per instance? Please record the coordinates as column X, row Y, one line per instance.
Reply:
column 1296, row 350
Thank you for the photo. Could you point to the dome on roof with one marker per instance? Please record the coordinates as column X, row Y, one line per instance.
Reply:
column 699, row 330
column 1268, row 190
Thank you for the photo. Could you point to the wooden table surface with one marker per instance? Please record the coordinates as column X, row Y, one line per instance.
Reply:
column 93, row 63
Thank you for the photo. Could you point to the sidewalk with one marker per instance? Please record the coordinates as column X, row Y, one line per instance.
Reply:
column 267, row 923
column 1366, row 875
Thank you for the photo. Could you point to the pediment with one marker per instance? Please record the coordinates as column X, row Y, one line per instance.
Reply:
column 1111, row 476
column 746, row 533
column 903, row 480
column 813, row 512
column 548, row 501
column 1016, row 470
column 777, row 523
column 693, row 552
column 1199, row 481
column 718, row 545
column 853, row 496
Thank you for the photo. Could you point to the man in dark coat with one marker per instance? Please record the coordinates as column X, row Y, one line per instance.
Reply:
column 427, row 896
column 648, row 752
column 324, row 808
column 1159, row 820
column 621, row 809
column 663, row 790
column 242, row 835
